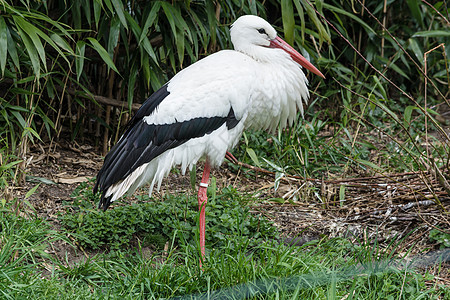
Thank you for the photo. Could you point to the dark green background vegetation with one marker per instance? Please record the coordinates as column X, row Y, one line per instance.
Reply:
column 60, row 62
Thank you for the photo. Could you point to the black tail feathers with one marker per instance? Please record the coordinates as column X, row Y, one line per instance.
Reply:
column 105, row 202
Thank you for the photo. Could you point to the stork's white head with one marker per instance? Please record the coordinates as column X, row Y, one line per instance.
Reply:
column 250, row 31
column 253, row 35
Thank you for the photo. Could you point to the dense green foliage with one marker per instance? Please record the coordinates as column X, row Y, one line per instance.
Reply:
column 55, row 57
column 441, row 238
column 154, row 223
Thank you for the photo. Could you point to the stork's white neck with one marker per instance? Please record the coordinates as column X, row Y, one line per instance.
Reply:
column 281, row 90
column 265, row 55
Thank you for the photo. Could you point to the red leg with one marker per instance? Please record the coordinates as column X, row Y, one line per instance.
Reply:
column 202, row 200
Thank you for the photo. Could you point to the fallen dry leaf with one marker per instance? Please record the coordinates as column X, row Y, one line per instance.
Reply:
column 72, row 180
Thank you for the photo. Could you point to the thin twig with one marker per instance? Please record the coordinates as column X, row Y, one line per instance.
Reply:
column 332, row 181
column 441, row 15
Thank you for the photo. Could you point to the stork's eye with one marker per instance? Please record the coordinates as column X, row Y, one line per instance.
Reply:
column 262, row 31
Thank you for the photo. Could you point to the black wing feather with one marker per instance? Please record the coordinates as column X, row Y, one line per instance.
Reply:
column 143, row 142
column 146, row 109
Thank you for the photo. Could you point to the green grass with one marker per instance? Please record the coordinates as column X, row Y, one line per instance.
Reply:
column 234, row 268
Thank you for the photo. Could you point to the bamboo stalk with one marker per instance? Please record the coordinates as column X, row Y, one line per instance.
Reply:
column 384, row 26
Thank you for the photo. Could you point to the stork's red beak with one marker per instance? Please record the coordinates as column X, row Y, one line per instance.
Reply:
column 297, row 57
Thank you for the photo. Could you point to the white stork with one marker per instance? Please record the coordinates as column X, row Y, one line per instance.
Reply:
column 203, row 110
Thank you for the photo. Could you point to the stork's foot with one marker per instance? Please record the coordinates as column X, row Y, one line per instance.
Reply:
column 231, row 158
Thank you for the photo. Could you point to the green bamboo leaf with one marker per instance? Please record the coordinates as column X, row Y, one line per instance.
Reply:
column 149, row 49
column 397, row 69
column 253, row 9
column 31, row 50
column 32, row 191
column 253, row 156
column 131, row 84
column 415, row 11
column 50, row 87
column 97, row 5
column 180, row 46
column 190, row 52
column 168, row 11
column 433, row 112
column 31, row 31
column 369, row 164
column 442, row 73
column 18, row 108
column 155, row 80
column 388, row 111
column 114, row 32
column 103, row 53
column 342, row 193
column 109, row 5
column 76, row 14
column 407, row 115
column 278, row 177
column 118, row 6
column 19, row 118
column 62, row 43
column 212, row 21
column 301, row 15
column 54, row 45
column 149, row 20
column 12, row 50
column 145, row 42
column 323, row 33
column 180, row 23
column 350, row 15
column 392, row 65
column 380, row 87
column 38, row 16
column 319, row 6
column 278, row 168
column 287, row 15
column 87, row 10
column 432, row 33
column 48, row 123
column 193, row 53
column 30, row 132
column 9, row 165
column 3, row 44
column 135, row 28
column 193, row 176
column 201, row 30
column 145, row 65
column 416, row 49
column 30, row 178
column 34, row 33
column 187, row 31
column 79, row 58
